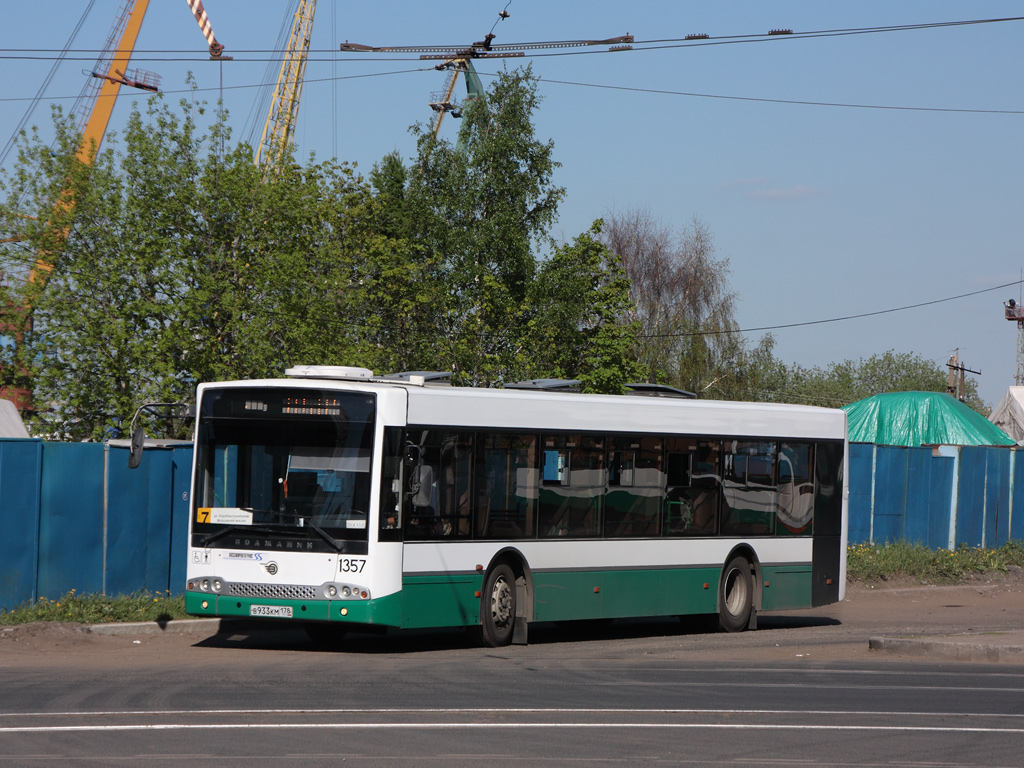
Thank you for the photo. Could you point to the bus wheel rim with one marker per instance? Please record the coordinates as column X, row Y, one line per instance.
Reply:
column 501, row 602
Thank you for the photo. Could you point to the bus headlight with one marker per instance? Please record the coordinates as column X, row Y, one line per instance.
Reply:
column 332, row 591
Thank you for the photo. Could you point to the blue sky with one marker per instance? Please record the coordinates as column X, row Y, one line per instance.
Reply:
column 822, row 211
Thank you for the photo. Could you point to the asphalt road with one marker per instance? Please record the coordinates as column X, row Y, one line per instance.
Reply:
column 803, row 688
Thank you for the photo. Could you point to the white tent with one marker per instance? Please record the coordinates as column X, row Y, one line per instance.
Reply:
column 11, row 424
column 1009, row 414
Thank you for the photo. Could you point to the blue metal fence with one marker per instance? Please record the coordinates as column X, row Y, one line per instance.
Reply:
column 941, row 497
column 73, row 516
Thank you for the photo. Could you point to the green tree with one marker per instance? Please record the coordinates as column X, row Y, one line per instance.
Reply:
column 178, row 263
column 851, row 380
column 579, row 300
column 481, row 211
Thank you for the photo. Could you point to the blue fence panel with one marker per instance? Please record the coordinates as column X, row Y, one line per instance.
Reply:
column 133, row 541
column 890, row 493
column 20, row 462
column 859, row 508
column 918, row 495
column 147, row 516
column 181, row 483
column 1017, row 497
column 939, row 501
column 997, row 497
column 970, row 502
column 71, row 519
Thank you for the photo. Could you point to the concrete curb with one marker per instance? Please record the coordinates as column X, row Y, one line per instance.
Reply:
column 208, row 626
column 980, row 647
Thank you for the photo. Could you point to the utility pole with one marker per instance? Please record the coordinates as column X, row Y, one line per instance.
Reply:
column 957, row 385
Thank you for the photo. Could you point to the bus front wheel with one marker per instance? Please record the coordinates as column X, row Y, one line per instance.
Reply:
column 735, row 595
column 498, row 606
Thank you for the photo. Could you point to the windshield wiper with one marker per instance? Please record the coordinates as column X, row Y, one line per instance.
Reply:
column 325, row 536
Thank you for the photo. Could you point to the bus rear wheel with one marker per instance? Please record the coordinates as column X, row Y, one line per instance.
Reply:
column 735, row 596
column 498, row 606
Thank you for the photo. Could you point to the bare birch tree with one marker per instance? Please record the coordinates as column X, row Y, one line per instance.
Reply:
column 681, row 298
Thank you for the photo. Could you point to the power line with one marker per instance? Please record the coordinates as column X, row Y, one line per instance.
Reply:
column 831, row 319
column 637, row 45
column 799, row 102
column 241, row 87
column 654, row 91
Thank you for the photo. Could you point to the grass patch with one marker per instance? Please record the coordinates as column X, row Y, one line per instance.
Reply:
column 99, row 609
column 881, row 562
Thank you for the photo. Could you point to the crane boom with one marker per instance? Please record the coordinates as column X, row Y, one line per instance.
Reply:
column 284, row 106
column 95, row 110
column 216, row 49
column 98, row 117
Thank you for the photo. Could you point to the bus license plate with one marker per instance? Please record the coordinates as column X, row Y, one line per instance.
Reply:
column 277, row 611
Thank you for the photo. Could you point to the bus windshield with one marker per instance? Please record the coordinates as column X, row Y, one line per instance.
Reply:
column 284, row 461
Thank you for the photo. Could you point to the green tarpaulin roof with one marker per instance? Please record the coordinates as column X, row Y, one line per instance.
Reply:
column 920, row 418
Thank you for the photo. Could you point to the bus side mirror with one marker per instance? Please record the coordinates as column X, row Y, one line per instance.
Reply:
column 135, row 451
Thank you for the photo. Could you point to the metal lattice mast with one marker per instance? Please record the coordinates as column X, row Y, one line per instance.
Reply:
column 1014, row 312
column 1019, row 378
column 284, row 107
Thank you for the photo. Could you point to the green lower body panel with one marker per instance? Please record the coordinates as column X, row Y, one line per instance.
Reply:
column 570, row 595
column 441, row 601
column 384, row 611
column 787, row 586
column 453, row 601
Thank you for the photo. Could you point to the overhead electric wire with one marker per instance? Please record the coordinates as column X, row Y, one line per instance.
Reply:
column 653, row 91
column 843, row 318
column 637, row 45
column 797, row 102
column 174, row 92
column 45, row 84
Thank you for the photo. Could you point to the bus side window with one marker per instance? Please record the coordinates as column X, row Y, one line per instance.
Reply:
column 749, row 488
column 573, row 489
column 391, row 486
column 693, row 487
column 506, row 486
column 440, row 486
column 636, row 487
column 796, row 489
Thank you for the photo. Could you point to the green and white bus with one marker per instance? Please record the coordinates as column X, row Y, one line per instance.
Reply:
column 347, row 501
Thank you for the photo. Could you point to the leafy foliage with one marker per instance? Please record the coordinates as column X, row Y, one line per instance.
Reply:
column 845, row 382
column 172, row 259
column 177, row 262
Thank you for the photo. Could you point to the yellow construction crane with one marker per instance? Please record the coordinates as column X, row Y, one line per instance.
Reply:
column 284, row 106
column 112, row 69
column 96, row 105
